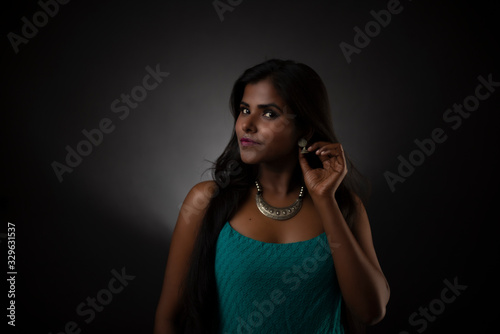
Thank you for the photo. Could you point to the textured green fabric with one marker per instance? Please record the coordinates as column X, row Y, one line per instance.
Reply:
column 276, row 288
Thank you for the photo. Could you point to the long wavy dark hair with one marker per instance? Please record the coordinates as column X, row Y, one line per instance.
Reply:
column 304, row 93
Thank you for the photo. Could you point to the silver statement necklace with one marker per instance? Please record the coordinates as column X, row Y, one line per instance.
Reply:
column 278, row 213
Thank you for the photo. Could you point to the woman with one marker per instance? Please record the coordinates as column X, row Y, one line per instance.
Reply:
column 280, row 239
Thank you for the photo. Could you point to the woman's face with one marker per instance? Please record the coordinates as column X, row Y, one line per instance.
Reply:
column 265, row 128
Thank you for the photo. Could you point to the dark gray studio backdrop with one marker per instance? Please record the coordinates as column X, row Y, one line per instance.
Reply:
column 111, row 109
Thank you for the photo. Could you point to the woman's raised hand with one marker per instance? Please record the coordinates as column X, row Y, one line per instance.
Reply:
column 323, row 182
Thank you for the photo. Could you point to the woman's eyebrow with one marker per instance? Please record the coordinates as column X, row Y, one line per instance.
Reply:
column 263, row 106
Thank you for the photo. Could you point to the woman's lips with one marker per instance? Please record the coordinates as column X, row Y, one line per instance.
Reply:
column 248, row 142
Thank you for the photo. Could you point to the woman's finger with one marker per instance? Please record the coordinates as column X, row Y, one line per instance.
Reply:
column 331, row 149
column 328, row 152
column 317, row 145
column 303, row 163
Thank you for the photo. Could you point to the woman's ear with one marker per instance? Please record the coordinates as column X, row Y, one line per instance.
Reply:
column 308, row 134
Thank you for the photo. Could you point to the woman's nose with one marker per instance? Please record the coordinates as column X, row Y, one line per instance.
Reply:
column 248, row 124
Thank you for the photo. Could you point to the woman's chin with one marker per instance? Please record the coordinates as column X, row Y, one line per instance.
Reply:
column 250, row 158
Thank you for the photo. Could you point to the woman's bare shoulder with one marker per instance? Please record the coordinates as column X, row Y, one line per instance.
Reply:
column 195, row 204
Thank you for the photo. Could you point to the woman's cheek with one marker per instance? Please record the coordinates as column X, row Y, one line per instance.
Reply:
column 267, row 136
column 280, row 126
column 275, row 130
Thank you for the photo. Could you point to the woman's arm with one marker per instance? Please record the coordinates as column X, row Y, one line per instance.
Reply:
column 361, row 280
column 181, row 246
column 363, row 285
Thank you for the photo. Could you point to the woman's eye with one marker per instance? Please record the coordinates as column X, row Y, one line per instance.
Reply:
column 270, row 114
column 244, row 111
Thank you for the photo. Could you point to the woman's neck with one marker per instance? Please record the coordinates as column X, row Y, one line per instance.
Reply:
column 279, row 178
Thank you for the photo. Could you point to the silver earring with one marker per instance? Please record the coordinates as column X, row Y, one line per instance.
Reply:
column 303, row 144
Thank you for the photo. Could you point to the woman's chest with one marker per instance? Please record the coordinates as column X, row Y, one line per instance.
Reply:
column 250, row 222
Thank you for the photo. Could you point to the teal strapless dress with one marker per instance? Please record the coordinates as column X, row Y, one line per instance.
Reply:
column 276, row 288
